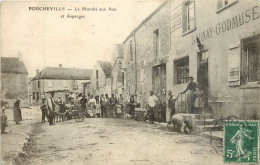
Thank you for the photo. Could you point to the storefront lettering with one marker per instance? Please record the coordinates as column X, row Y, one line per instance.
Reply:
column 227, row 25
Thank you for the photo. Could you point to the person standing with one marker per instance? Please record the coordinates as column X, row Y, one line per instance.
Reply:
column 3, row 118
column 92, row 103
column 44, row 109
column 120, row 105
column 17, row 111
column 191, row 95
column 113, row 105
column 51, row 108
column 171, row 103
column 107, row 105
column 61, row 105
column 83, row 104
column 132, row 106
column 103, row 108
column 152, row 101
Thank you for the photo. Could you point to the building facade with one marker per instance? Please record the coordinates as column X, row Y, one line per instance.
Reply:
column 217, row 42
column 13, row 79
column 146, row 52
column 101, row 78
column 117, row 72
column 59, row 80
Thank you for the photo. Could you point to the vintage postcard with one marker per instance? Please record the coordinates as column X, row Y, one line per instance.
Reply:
column 130, row 82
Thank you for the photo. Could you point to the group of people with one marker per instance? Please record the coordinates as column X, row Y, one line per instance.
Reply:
column 89, row 105
column 103, row 106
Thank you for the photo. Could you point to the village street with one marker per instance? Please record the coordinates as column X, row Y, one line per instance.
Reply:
column 117, row 141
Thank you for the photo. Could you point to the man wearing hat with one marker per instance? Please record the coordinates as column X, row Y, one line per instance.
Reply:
column 152, row 101
column 51, row 108
column 60, row 103
column 191, row 95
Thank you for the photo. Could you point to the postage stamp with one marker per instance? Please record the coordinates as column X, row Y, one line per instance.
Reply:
column 241, row 141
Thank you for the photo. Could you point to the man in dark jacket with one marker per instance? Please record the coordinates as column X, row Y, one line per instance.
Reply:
column 171, row 103
column 51, row 108
column 113, row 103
column 83, row 104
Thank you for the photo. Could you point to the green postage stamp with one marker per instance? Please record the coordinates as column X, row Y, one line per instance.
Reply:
column 241, row 141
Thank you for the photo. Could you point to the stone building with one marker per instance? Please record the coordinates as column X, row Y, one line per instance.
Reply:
column 59, row 80
column 117, row 73
column 101, row 78
column 146, row 51
column 13, row 78
column 218, row 43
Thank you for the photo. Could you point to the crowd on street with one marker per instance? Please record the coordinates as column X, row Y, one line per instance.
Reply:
column 103, row 106
column 112, row 107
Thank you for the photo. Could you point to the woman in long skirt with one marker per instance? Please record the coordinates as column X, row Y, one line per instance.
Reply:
column 17, row 111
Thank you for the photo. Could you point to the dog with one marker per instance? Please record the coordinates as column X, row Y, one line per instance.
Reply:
column 183, row 125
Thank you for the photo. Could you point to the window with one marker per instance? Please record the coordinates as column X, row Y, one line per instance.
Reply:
column 156, row 43
column 123, row 78
column 131, row 51
column 182, row 69
column 222, row 4
column 251, row 59
column 74, row 85
column 49, row 84
column 188, row 16
column 97, row 85
column 96, row 74
column 39, row 84
column 64, row 83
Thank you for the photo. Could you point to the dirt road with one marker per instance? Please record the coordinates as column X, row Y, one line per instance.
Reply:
column 99, row 141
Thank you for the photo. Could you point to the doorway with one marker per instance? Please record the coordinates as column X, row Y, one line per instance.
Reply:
column 202, row 75
column 159, row 88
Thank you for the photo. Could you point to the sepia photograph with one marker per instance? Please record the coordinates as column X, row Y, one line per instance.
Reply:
column 130, row 82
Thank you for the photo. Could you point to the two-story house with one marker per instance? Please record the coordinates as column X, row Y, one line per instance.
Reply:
column 59, row 80
column 217, row 42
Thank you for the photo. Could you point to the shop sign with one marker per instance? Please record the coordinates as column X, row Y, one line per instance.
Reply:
column 236, row 21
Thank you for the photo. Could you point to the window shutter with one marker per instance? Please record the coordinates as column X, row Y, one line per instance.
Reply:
column 184, row 17
column 234, row 64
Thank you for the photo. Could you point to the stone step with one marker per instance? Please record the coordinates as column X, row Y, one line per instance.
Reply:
column 210, row 128
column 201, row 117
column 207, row 122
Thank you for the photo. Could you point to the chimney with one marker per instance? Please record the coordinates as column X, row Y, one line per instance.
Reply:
column 20, row 56
column 60, row 65
column 37, row 71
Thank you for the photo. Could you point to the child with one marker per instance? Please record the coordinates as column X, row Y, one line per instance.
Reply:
column 44, row 109
column 198, row 100
column 3, row 119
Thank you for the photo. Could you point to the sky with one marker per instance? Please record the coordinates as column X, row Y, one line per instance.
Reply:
column 44, row 39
